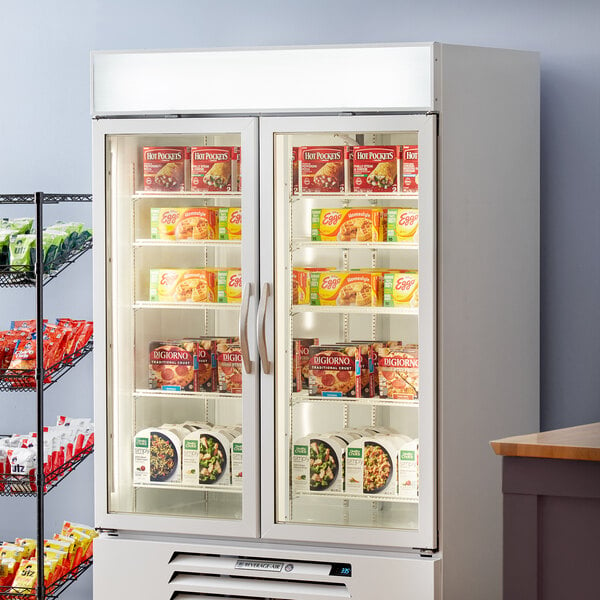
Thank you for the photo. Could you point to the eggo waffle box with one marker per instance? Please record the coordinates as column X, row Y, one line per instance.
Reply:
column 346, row 288
column 401, row 288
column 229, row 365
column 334, row 370
column 402, row 225
column 375, row 168
column 398, row 369
column 301, row 283
column 183, row 285
column 165, row 168
column 173, row 224
column 323, row 169
column 172, row 365
column 230, row 223
column 229, row 286
column 347, row 224
column 410, row 169
column 214, row 169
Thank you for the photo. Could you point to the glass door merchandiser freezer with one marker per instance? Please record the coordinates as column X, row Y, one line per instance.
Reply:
column 311, row 296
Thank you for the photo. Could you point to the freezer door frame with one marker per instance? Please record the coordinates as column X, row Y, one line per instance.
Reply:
column 425, row 537
column 248, row 525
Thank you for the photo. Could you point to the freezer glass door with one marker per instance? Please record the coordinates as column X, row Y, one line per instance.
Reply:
column 180, row 271
column 354, row 316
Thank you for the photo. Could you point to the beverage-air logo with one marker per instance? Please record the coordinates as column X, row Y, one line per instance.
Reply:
column 330, row 282
column 211, row 156
column 163, row 155
column 399, row 362
column 411, row 155
column 338, row 361
column 323, row 155
column 403, row 284
column 374, row 154
column 236, row 217
column 169, row 217
column 407, row 219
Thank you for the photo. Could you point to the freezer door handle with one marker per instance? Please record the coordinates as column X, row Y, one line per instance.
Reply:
column 262, row 341
column 244, row 328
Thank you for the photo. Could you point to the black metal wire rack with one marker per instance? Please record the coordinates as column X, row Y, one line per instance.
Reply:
column 53, row 590
column 24, row 486
column 48, row 198
column 24, row 380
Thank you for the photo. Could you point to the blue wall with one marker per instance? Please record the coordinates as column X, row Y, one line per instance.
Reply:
column 45, row 144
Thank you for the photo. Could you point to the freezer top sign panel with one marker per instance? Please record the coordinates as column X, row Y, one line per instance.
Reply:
column 273, row 80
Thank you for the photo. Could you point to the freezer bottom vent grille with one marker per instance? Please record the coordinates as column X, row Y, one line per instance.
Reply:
column 204, row 576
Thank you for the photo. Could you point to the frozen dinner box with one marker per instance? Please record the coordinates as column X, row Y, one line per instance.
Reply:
column 323, row 169
column 214, row 169
column 165, row 168
column 318, row 463
column 156, row 456
column 375, row 168
column 207, row 457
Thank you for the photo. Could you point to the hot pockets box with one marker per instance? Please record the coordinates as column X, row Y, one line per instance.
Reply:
column 214, row 169
column 166, row 168
column 410, row 169
column 323, row 169
column 375, row 168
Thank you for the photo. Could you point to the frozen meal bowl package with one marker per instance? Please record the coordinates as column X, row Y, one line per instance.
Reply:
column 183, row 285
column 230, row 223
column 156, row 456
column 401, row 288
column 318, row 463
column 408, row 471
column 237, row 460
column 171, row 366
column 375, row 168
column 347, row 224
column 165, row 168
column 175, row 224
column 206, row 457
column 372, row 464
column 402, row 225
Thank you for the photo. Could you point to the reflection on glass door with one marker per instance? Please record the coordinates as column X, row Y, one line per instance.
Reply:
column 174, row 293
column 347, row 328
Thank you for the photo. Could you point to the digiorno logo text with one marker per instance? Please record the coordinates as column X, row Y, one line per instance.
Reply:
column 163, row 155
column 400, row 362
column 328, row 360
column 171, row 355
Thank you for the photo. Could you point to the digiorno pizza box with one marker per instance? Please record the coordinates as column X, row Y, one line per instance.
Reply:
column 171, row 366
column 229, row 365
column 301, row 362
column 334, row 370
column 398, row 369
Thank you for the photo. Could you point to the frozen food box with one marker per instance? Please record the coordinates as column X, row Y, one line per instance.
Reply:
column 229, row 286
column 347, row 224
column 174, row 224
column 410, row 169
column 323, row 169
column 206, row 458
column 214, row 169
column 399, row 373
column 156, row 456
column 402, row 225
column 205, row 365
column 334, row 370
column 301, row 362
column 401, row 288
column 183, row 285
column 172, row 366
column 229, row 365
column 230, row 223
column 346, row 288
column 301, row 283
column 367, row 368
column 166, row 168
column 237, row 460
column 408, row 471
column 295, row 187
column 318, row 463
column 372, row 464
column 375, row 168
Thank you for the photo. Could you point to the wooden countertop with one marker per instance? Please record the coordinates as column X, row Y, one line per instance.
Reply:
column 572, row 443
